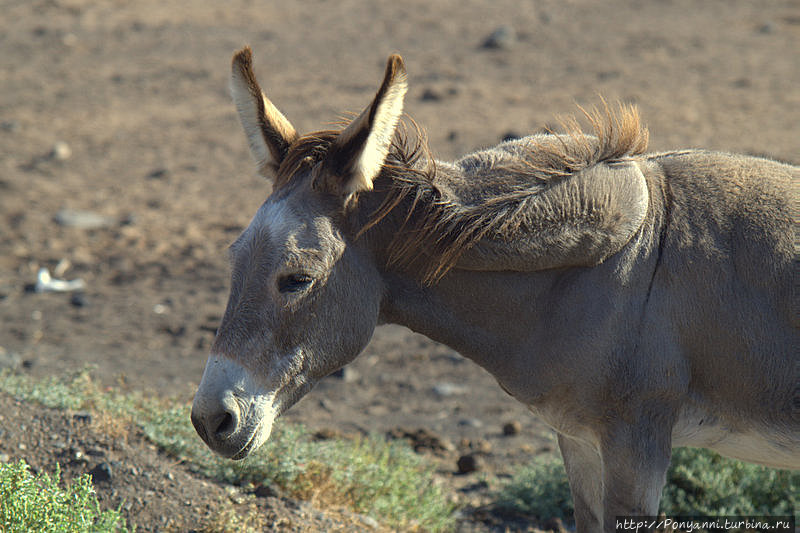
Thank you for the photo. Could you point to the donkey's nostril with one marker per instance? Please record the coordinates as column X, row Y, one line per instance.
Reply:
column 223, row 425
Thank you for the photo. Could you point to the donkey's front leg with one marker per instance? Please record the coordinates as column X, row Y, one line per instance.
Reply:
column 585, row 474
column 635, row 458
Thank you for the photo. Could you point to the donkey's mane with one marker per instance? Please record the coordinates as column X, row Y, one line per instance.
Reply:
column 446, row 214
column 439, row 213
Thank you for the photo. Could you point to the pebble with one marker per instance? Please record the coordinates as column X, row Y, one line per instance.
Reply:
column 422, row 439
column 512, row 428
column 430, row 95
column 470, row 423
column 767, row 28
column 4, row 458
column 76, row 218
column 448, row 389
column 483, row 446
column 511, row 135
column 234, row 495
column 83, row 417
column 503, row 38
column 78, row 300
column 468, row 463
column 265, row 491
column 61, row 151
column 101, row 473
column 367, row 521
column 158, row 174
column 346, row 374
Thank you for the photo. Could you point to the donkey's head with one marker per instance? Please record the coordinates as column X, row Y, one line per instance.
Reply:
column 304, row 301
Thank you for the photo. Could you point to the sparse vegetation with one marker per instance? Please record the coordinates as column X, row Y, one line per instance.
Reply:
column 386, row 480
column 699, row 482
column 38, row 502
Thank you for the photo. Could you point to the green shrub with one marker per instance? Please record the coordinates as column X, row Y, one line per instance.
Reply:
column 38, row 503
column 540, row 490
column 367, row 474
column 705, row 483
column 699, row 482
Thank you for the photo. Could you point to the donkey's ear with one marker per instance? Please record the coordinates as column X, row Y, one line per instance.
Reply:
column 268, row 132
column 356, row 156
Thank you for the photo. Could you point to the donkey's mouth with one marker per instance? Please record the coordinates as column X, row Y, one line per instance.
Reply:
column 248, row 447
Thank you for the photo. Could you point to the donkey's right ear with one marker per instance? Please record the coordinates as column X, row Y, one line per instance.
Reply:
column 268, row 132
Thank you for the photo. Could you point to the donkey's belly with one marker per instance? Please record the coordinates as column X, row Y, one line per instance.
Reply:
column 765, row 445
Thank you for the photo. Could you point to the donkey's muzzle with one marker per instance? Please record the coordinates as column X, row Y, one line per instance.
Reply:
column 230, row 412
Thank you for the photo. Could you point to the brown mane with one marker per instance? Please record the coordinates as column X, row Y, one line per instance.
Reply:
column 438, row 227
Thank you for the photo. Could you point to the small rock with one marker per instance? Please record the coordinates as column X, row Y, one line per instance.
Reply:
column 101, row 473
column 69, row 39
column 76, row 218
column 367, row 521
column 503, row 38
column 265, row 491
column 78, row 300
column 326, row 434
column 158, row 174
column 483, row 446
column 235, row 495
column 170, row 476
column 83, row 417
column 61, row 151
column 512, row 428
column 422, row 440
column 95, row 452
column 346, row 374
column 4, row 458
column 767, row 28
column 468, row 463
column 448, row 389
column 452, row 136
column 511, row 136
column 430, row 95
column 470, row 423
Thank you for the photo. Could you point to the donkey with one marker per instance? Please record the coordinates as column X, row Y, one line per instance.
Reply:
column 634, row 302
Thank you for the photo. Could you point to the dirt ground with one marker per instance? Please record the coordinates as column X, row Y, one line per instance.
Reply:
column 120, row 110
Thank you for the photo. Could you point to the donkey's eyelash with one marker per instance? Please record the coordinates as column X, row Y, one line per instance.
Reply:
column 294, row 283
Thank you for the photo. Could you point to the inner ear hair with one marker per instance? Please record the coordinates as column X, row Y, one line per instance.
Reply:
column 356, row 156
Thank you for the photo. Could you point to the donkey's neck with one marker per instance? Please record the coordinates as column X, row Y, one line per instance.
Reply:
column 478, row 314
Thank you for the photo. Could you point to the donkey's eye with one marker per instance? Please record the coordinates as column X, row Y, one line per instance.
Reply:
column 294, row 282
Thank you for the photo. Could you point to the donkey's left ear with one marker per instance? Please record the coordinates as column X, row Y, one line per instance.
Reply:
column 356, row 156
